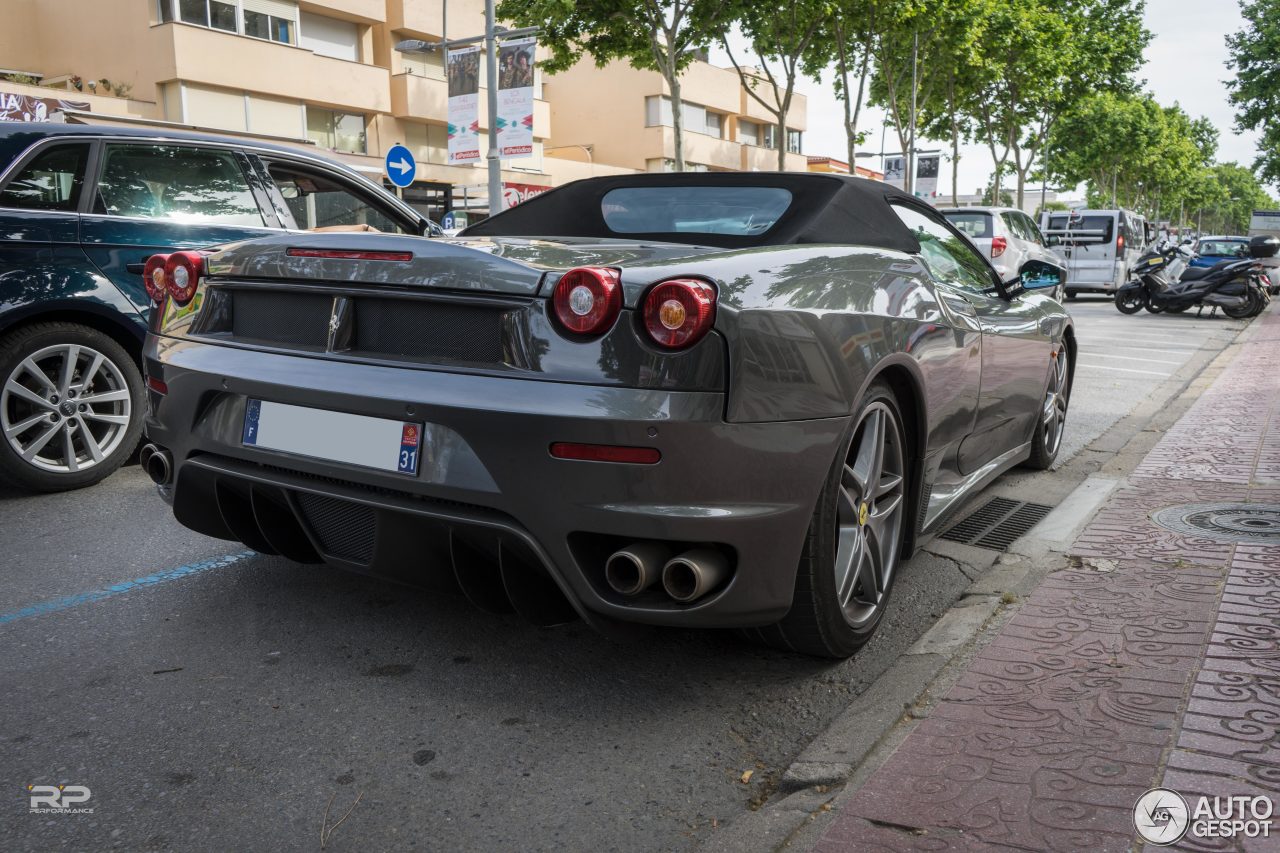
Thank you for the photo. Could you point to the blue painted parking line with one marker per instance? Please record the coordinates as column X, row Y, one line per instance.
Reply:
column 53, row 605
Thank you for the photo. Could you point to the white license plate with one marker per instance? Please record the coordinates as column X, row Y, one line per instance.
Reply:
column 379, row 443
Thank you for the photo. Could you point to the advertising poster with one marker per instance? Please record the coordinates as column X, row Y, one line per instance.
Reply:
column 463, row 67
column 927, row 175
column 14, row 107
column 513, row 194
column 515, row 98
column 895, row 169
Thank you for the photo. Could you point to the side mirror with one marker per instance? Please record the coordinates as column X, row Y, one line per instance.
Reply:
column 1038, row 275
column 290, row 191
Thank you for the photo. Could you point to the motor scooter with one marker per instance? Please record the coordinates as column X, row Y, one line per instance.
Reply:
column 1162, row 282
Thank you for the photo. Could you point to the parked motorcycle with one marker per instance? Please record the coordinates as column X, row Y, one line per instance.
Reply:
column 1162, row 282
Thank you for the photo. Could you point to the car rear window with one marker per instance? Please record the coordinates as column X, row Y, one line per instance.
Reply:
column 174, row 182
column 1089, row 225
column 1224, row 248
column 739, row 211
column 51, row 181
column 972, row 224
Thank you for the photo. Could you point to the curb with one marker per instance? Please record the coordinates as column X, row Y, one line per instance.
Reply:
column 832, row 765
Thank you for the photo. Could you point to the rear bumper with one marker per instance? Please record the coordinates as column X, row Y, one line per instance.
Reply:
column 489, row 504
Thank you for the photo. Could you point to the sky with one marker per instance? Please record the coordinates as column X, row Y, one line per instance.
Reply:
column 1186, row 62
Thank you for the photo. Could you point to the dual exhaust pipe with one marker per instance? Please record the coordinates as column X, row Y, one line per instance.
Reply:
column 157, row 462
column 685, row 577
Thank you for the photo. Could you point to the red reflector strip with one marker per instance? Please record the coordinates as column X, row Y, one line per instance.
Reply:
column 606, row 453
column 349, row 254
column 157, row 385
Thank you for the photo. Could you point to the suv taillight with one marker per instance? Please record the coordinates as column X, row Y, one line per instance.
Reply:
column 998, row 245
column 153, row 278
column 587, row 300
column 678, row 312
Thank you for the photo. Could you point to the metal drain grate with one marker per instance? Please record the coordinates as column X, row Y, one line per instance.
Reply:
column 997, row 523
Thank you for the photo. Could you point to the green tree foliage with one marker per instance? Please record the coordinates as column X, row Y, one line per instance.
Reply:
column 1231, row 193
column 1131, row 152
column 659, row 35
column 1255, row 91
column 782, row 40
column 1045, row 57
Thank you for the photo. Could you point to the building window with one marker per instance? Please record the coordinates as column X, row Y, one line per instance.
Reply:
column 769, row 136
column 793, row 141
column 329, row 37
column 336, row 131
column 748, row 132
column 275, row 20
column 657, row 112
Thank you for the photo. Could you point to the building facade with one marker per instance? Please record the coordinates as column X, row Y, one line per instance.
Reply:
column 325, row 73
column 621, row 115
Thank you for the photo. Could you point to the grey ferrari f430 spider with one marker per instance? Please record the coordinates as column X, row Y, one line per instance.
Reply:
column 723, row 400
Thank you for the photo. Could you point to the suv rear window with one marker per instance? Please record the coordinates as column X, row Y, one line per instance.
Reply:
column 177, row 183
column 49, row 182
column 739, row 211
column 1105, row 224
column 971, row 224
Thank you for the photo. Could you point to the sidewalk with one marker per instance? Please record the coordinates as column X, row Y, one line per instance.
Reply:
column 1154, row 663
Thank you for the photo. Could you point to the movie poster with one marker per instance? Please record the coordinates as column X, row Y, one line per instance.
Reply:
column 463, row 67
column 15, row 107
column 515, row 98
column 927, row 175
column 895, row 169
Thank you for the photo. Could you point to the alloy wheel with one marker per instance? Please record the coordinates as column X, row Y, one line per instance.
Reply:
column 65, row 408
column 1054, row 412
column 870, row 504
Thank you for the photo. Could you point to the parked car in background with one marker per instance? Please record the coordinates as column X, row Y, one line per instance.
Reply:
column 1006, row 236
column 82, row 208
column 1212, row 250
column 755, row 395
column 1099, row 247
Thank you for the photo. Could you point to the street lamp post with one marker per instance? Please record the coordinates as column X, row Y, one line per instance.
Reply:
column 492, row 34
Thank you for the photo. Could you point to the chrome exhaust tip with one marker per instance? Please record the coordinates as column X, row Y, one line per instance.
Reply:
column 693, row 574
column 158, row 464
column 635, row 568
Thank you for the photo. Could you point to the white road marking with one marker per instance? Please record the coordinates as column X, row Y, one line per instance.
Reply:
column 1121, row 369
column 1134, row 358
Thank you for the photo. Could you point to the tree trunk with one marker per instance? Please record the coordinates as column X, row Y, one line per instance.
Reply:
column 782, row 141
column 955, row 164
column 677, row 120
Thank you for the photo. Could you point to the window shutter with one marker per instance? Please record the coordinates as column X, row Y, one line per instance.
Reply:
column 287, row 9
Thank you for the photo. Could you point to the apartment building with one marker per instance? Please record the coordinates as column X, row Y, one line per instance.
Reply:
column 622, row 116
column 320, row 73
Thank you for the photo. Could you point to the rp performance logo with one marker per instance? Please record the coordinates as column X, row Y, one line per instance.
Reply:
column 59, row 799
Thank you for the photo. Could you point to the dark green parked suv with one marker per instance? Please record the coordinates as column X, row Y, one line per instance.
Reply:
column 81, row 210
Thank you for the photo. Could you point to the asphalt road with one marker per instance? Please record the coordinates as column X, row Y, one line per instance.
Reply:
column 227, row 700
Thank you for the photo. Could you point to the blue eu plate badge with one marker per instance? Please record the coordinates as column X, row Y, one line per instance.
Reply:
column 253, row 412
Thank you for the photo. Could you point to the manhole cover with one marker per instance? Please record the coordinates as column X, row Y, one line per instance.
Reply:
column 1227, row 522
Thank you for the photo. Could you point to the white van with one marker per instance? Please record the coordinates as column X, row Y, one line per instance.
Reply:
column 1098, row 247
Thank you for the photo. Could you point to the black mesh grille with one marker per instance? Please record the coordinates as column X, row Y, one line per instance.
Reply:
column 283, row 319
column 345, row 529
column 423, row 329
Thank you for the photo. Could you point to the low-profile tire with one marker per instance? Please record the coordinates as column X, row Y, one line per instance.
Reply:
column 854, row 545
column 1051, row 418
column 71, row 406
column 1130, row 302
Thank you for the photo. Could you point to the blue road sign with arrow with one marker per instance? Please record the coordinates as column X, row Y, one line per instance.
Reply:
column 400, row 166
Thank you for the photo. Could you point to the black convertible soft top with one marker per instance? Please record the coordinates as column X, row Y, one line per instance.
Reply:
column 824, row 209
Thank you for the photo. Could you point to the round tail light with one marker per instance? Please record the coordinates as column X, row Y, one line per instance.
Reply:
column 679, row 312
column 182, row 273
column 154, row 278
column 587, row 300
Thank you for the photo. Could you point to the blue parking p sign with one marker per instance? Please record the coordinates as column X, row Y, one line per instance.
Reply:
column 400, row 166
